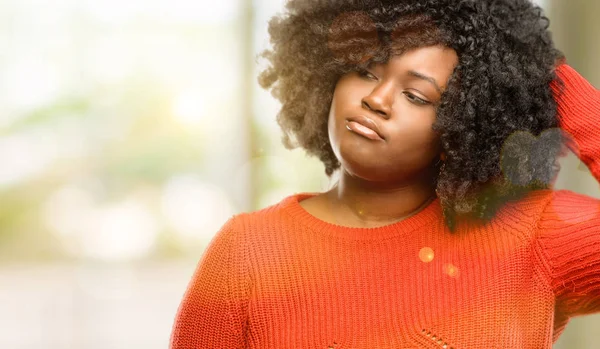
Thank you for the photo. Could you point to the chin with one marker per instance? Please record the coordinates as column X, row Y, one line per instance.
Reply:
column 368, row 170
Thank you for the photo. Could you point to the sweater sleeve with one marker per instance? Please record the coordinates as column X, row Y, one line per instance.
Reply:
column 578, row 104
column 568, row 236
column 213, row 312
column 568, row 246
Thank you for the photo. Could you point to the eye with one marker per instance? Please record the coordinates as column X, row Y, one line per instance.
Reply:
column 365, row 74
column 415, row 99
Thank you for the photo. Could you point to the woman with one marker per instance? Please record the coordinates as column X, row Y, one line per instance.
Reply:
column 445, row 119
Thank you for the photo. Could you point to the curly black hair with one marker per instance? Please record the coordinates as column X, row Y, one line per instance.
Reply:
column 497, row 103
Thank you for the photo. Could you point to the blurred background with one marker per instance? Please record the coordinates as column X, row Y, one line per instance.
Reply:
column 130, row 131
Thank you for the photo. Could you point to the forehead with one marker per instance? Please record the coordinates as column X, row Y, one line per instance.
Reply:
column 432, row 57
column 438, row 61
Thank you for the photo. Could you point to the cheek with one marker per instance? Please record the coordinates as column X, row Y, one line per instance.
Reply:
column 346, row 101
column 415, row 141
column 415, row 128
column 341, row 97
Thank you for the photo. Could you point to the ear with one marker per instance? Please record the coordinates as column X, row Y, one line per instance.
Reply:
column 443, row 156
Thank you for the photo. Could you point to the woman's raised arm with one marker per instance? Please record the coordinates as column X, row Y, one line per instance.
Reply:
column 578, row 104
column 568, row 231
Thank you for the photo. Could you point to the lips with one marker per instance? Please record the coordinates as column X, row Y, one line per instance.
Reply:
column 366, row 122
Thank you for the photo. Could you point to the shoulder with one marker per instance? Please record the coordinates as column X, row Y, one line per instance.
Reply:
column 521, row 216
column 550, row 200
column 565, row 207
column 266, row 216
column 550, row 204
column 268, row 221
column 526, row 208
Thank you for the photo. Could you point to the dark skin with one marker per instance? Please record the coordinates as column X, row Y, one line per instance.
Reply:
column 385, row 181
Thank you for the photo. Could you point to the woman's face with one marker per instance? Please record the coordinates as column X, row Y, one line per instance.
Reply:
column 400, row 99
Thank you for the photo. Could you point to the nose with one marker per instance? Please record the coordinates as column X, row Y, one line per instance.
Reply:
column 380, row 101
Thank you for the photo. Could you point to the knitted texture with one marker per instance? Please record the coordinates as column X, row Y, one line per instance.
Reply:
column 578, row 113
column 282, row 278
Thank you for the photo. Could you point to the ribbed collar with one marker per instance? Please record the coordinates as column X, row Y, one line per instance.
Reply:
column 431, row 214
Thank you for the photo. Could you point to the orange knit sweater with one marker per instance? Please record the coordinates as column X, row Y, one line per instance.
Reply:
column 281, row 278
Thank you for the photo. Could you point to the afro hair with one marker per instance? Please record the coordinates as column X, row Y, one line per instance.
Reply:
column 497, row 119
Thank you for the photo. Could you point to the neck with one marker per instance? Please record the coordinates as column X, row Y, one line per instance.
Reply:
column 373, row 204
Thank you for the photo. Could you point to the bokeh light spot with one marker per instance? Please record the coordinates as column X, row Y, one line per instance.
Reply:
column 426, row 254
column 523, row 156
column 190, row 107
column 451, row 270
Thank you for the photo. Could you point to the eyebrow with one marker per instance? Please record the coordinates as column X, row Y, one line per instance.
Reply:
column 426, row 78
